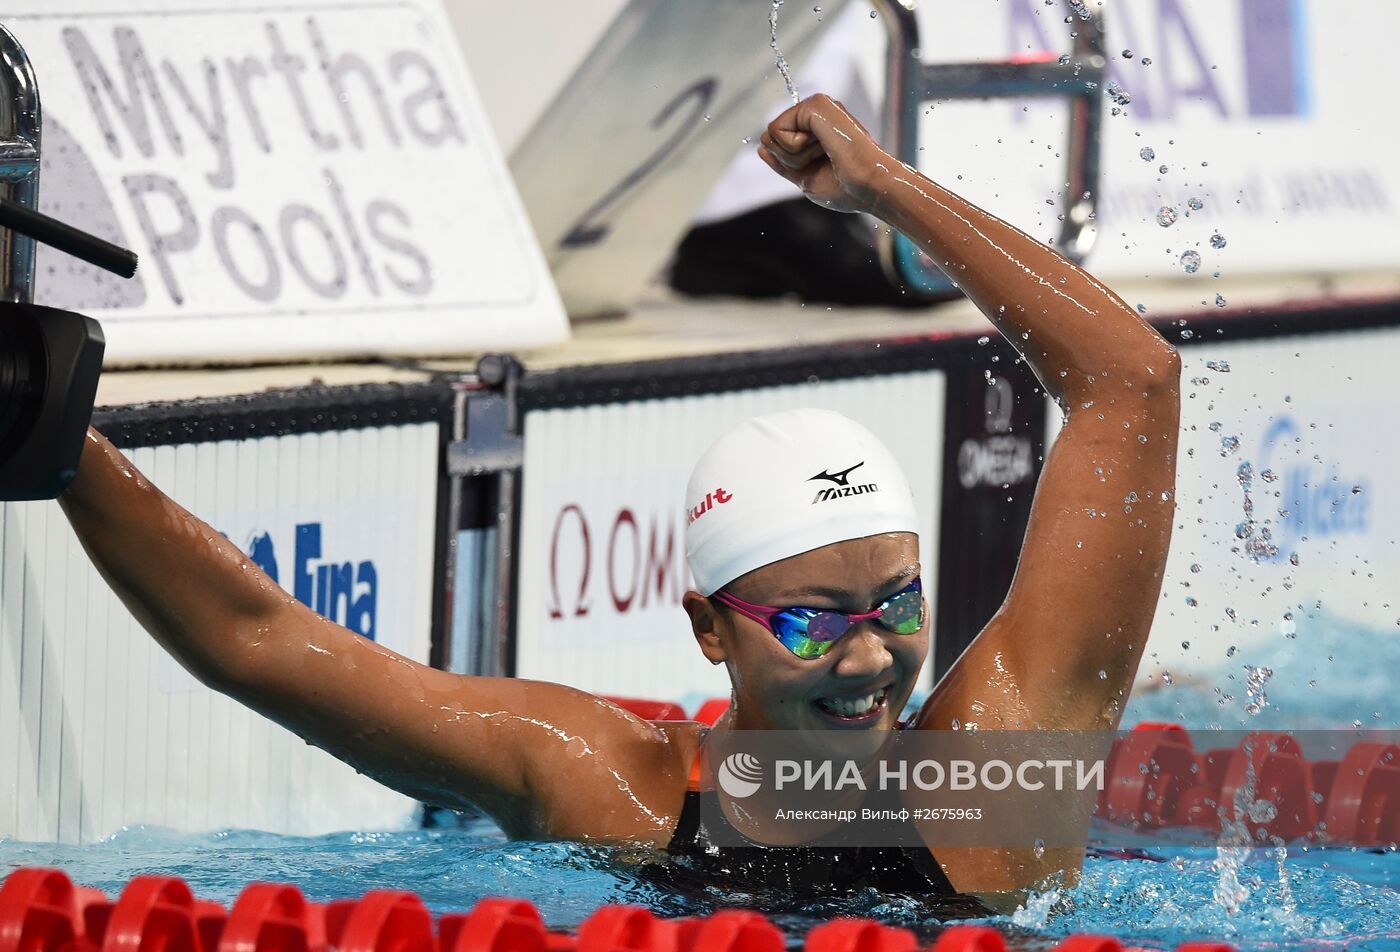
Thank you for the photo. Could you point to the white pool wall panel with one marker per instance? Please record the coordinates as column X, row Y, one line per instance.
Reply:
column 101, row 729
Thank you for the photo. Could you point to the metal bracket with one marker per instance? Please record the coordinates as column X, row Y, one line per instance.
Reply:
column 21, row 122
column 488, row 439
column 909, row 83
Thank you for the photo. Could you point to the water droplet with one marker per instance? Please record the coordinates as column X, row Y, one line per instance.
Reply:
column 1064, row 59
column 1261, row 811
column 816, row 9
column 1194, row 203
column 1191, row 601
column 1167, row 677
column 1127, row 54
column 1356, row 490
column 1185, row 645
column 983, row 340
column 1166, row 216
column 1142, row 308
column 1219, row 299
column 873, row 14
column 1080, row 9
column 1229, row 444
column 1038, row 849
column 1146, row 153
column 1217, row 241
column 1293, row 558
column 1187, row 335
column 1117, row 93
column 1146, row 61
column 1219, row 366
column 1230, row 651
column 1190, row 261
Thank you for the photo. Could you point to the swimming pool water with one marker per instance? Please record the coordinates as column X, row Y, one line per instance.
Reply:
column 1309, row 899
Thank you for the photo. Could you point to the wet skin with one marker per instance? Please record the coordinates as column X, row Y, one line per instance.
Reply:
column 548, row 761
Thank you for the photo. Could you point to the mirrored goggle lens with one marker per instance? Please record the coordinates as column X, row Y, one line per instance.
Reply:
column 904, row 614
column 809, row 634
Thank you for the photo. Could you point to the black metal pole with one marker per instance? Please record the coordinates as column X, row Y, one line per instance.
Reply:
column 66, row 238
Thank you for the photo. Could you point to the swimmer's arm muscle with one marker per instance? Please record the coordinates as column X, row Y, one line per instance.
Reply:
column 542, row 759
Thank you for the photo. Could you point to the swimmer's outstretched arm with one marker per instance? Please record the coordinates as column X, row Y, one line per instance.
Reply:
column 1063, row 649
column 543, row 760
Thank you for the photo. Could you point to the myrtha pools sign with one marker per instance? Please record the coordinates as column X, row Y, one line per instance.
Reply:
column 301, row 179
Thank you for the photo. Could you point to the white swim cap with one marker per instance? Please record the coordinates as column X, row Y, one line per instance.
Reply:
column 786, row 483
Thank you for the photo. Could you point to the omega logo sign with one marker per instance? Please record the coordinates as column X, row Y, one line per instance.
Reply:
column 636, row 562
column 998, row 458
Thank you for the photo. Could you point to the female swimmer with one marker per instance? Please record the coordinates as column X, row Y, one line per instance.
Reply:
column 548, row 761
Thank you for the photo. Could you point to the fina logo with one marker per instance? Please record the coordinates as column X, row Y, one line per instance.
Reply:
column 345, row 592
column 1315, row 500
column 740, row 775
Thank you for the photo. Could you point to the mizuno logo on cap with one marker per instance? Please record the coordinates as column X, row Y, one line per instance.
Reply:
column 842, row 478
column 838, row 492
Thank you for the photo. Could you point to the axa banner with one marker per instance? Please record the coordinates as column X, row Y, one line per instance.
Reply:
column 1236, row 131
column 304, row 179
column 602, row 550
column 1284, row 508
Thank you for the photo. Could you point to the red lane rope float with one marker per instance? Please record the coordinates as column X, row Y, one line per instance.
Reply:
column 1363, row 799
column 859, row 935
column 494, row 924
column 42, row 911
column 271, row 918
column 384, row 920
column 154, row 914
column 970, row 939
column 38, row 911
column 1155, row 779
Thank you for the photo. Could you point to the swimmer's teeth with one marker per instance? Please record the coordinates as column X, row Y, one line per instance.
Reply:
column 853, row 708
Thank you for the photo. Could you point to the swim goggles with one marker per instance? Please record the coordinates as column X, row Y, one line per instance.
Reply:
column 810, row 632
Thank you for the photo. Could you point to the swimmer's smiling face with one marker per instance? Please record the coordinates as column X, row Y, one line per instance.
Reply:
column 774, row 689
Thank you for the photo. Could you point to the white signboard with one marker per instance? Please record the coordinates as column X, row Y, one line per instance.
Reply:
column 602, row 550
column 1263, row 111
column 308, row 179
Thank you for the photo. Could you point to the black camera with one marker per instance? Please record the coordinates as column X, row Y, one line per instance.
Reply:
column 49, row 364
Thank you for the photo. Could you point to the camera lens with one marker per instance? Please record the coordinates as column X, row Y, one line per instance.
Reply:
column 17, row 386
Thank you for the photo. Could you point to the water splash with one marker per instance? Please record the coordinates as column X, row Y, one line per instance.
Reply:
column 1257, row 538
column 1232, row 849
column 1255, row 679
column 778, row 59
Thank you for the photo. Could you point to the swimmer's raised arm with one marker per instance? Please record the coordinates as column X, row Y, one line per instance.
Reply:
column 543, row 760
column 1063, row 649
